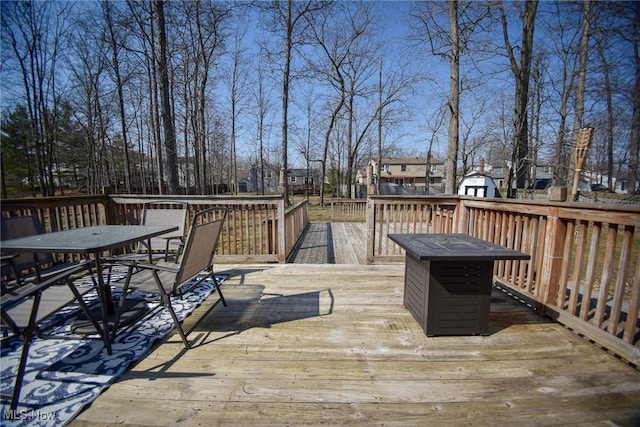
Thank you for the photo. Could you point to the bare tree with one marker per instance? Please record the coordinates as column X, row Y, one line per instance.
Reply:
column 562, row 39
column 115, row 45
column 262, row 108
column 538, row 98
column 631, row 10
column 600, row 43
column 33, row 31
column 583, row 52
column 290, row 22
column 450, row 38
column 582, row 68
column 454, row 101
column 142, row 14
column 521, row 69
column 202, row 44
column 88, row 69
column 237, row 83
column 473, row 137
column 170, row 166
column 350, row 63
column 434, row 124
column 634, row 146
column 336, row 44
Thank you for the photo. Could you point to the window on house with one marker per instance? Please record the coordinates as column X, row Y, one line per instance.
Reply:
column 433, row 168
column 292, row 179
column 385, row 168
column 403, row 168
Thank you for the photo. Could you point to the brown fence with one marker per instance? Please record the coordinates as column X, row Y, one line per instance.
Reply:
column 584, row 269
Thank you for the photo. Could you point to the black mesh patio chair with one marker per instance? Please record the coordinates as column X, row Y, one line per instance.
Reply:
column 24, row 310
column 194, row 265
column 21, row 268
column 165, row 212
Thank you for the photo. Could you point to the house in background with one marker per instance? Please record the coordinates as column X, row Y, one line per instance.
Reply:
column 541, row 176
column 405, row 175
column 299, row 180
column 478, row 185
column 303, row 181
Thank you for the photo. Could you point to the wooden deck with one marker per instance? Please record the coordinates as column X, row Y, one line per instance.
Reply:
column 331, row 243
column 333, row 345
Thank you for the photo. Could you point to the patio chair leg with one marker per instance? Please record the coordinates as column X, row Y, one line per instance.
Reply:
column 178, row 325
column 27, row 336
column 22, row 366
column 166, row 301
column 217, row 285
column 123, row 297
column 103, row 308
column 87, row 312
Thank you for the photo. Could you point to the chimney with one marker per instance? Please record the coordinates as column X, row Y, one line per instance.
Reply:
column 481, row 167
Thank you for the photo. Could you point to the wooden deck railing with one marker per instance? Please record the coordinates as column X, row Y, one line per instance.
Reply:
column 348, row 210
column 398, row 214
column 585, row 259
column 251, row 232
column 296, row 219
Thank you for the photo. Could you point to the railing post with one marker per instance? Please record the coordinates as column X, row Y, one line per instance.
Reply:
column 371, row 226
column 556, row 231
column 282, row 229
column 461, row 218
column 110, row 216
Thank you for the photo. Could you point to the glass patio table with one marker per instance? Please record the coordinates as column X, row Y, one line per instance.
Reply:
column 93, row 241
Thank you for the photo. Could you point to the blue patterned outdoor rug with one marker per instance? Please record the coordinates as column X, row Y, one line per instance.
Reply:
column 64, row 375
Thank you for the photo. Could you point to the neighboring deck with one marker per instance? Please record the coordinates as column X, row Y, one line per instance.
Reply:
column 333, row 345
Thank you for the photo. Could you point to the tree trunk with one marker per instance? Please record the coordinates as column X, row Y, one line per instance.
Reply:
column 170, row 166
column 582, row 70
column 454, row 101
column 116, row 68
column 285, row 103
column 608, row 94
column 634, row 143
column 521, row 71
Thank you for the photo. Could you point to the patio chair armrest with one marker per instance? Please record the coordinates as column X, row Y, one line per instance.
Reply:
column 8, row 257
column 17, row 295
column 147, row 266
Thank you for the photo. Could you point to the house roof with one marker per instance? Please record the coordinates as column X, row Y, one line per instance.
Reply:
column 302, row 171
column 409, row 160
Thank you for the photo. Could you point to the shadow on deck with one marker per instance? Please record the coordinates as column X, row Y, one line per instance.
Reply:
column 333, row 345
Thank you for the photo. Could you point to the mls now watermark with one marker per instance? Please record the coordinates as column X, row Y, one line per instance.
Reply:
column 24, row 414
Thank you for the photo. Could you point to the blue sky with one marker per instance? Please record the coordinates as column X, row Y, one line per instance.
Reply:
column 414, row 127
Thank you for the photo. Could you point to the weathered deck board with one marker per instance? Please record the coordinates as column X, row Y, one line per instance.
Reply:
column 331, row 243
column 332, row 344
